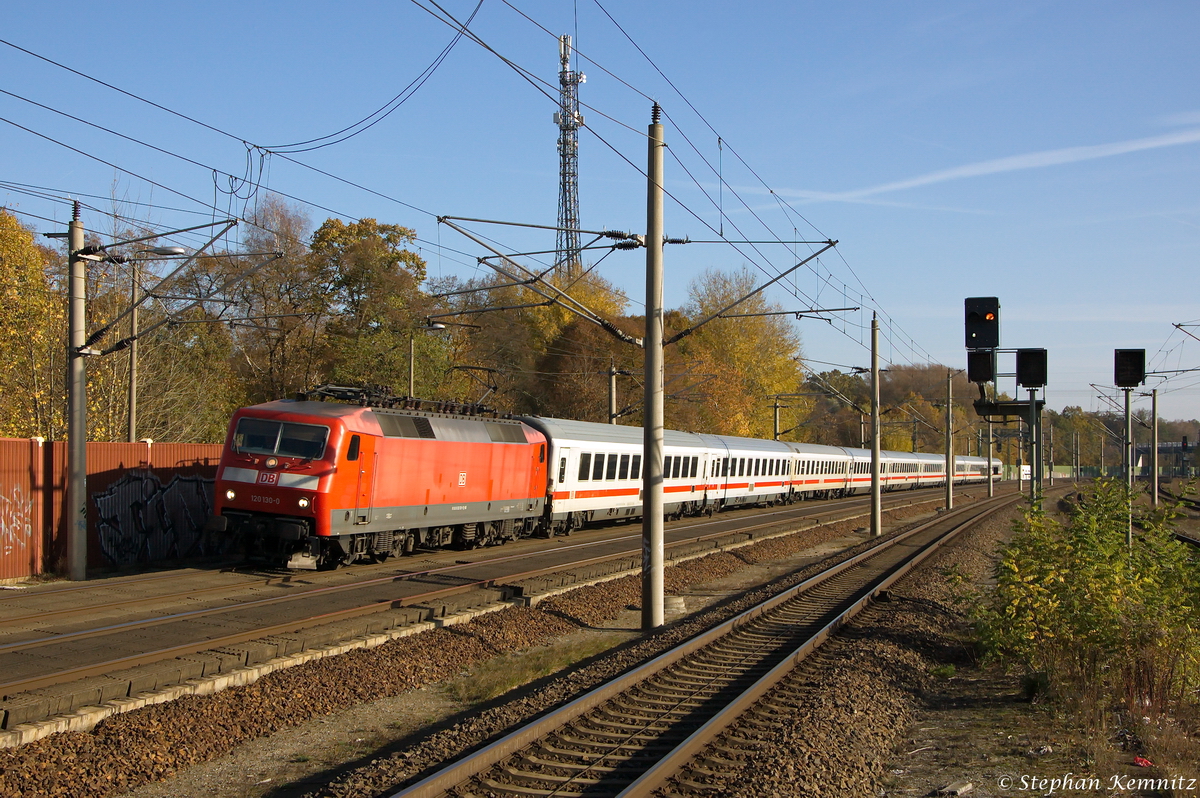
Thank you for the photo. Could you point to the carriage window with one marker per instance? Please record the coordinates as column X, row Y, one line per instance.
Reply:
column 624, row 467
column 562, row 469
column 585, row 466
column 352, row 452
column 635, row 468
column 598, row 467
column 724, row 466
column 695, row 466
column 612, row 467
column 675, row 467
column 756, row 465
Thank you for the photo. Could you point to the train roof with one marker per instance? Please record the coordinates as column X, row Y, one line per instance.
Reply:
column 387, row 422
column 561, row 429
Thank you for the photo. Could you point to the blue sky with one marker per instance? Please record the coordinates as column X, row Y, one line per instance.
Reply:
column 1045, row 153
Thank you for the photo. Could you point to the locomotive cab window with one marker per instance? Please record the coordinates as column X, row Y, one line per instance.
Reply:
column 264, row 436
column 352, row 451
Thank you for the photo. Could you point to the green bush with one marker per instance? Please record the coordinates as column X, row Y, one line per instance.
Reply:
column 1105, row 622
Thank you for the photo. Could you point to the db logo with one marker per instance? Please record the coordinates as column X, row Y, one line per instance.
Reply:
column 462, row 479
column 268, row 478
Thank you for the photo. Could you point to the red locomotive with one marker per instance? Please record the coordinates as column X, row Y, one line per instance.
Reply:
column 320, row 483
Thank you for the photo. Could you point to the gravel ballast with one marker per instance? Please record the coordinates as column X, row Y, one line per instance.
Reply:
column 158, row 742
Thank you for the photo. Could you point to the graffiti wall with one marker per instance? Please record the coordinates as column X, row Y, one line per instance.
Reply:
column 140, row 520
column 147, row 503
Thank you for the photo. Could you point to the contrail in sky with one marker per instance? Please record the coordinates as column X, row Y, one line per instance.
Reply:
column 1032, row 160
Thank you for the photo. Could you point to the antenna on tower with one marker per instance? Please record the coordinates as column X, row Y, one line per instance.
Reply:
column 569, row 120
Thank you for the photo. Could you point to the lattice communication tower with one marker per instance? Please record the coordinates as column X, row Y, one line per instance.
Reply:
column 569, row 120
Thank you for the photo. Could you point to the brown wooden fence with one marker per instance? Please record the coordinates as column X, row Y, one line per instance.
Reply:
column 147, row 503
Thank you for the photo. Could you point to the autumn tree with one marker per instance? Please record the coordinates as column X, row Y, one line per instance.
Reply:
column 734, row 364
column 32, row 335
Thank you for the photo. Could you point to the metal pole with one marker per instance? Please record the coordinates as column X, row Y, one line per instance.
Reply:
column 991, row 445
column 949, row 440
column 1050, row 442
column 412, row 369
column 612, row 393
column 775, row 426
column 133, row 347
column 1034, row 445
column 76, row 513
column 652, row 469
column 1154, row 448
column 876, row 489
column 1128, row 452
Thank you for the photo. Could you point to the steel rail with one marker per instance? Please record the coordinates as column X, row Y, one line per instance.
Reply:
column 378, row 606
column 497, row 752
column 350, row 586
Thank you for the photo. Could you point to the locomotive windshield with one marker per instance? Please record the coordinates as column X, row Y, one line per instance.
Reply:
column 263, row 436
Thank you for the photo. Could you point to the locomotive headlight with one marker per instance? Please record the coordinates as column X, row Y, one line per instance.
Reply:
column 229, row 495
column 272, row 462
column 303, row 502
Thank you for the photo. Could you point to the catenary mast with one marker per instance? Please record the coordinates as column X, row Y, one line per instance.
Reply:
column 569, row 120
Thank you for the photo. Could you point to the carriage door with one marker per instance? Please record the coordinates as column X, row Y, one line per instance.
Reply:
column 366, row 463
column 560, row 471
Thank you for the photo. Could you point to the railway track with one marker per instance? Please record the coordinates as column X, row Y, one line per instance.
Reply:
column 630, row 736
column 96, row 634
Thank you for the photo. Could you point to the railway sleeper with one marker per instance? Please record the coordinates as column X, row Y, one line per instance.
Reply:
column 601, row 736
column 577, row 766
column 650, row 747
column 581, row 759
column 626, row 726
column 688, row 703
column 652, row 752
column 496, row 787
column 646, row 718
column 532, row 778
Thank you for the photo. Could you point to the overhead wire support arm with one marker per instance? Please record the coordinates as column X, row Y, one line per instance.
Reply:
column 799, row 314
column 237, row 278
column 102, row 331
column 617, row 234
column 684, row 333
column 561, row 297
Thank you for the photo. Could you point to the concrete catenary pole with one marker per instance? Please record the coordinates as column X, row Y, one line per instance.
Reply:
column 76, row 403
column 133, row 350
column 652, row 468
column 949, row 440
column 876, row 493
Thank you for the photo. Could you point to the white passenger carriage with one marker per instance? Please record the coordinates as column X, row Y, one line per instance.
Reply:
column 596, row 471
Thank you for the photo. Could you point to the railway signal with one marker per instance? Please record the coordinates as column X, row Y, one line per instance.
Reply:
column 1031, row 368
column 982, row 322
column 981, row 365
column 1129, row 367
